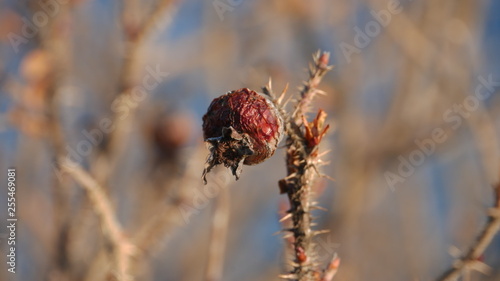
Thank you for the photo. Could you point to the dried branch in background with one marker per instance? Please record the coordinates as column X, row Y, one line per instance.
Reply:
column 332, row 269
column 302, row 160
column 471, row 261
column 135, row 36
column 220, row 224
column 122, row 250
column 44, row 69
column 160, row 225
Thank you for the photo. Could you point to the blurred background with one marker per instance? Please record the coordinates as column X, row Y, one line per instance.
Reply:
column 120, row 87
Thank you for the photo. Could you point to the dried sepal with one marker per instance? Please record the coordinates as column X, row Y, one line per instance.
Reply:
column 315, row 131
column 230, row 149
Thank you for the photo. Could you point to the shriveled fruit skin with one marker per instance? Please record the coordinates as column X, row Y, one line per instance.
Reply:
column 243, row 126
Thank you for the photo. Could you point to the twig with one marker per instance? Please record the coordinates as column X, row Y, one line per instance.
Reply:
column 302, row 156
column 134, row 40
column 168, row 218
column 218, row 237
column 122, row 249
column 332, row 269
column 52, row 44
column 309, row 89
column 471, row 259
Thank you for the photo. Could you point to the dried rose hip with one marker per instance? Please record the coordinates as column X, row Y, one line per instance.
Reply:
column 241, row 127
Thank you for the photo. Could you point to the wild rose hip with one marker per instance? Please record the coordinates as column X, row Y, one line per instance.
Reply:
column 241, row 127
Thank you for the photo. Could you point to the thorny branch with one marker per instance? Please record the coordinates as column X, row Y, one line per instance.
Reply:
column 309, row 89
column 471, row 261
column 302, row 159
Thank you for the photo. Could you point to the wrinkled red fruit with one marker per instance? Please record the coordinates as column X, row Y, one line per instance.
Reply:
column 241, row 127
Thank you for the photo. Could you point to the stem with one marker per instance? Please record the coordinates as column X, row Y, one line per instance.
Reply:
column 471, row 259
column 134, row 41
column 220, row 223
column 301, row 174
column 122, row 249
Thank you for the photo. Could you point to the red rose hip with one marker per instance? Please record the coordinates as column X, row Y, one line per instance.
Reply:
column 241, row 127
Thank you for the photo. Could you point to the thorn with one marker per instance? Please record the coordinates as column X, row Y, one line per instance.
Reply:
column 320, row 92
column 296, row 109
column 324, row 153
column 283, row 231
column 285, row 217
column 278, row 232
column 318, row 232
column 288, row 276
column 327, row 177
column 282, row 95
column 316, row 170
column 319, row 208
column 322, row 163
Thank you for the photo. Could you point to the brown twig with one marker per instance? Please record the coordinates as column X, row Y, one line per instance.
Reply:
column 471, row 259
column 53, row 44
column 332, row 269
column 302, row 162
column 135, row 37
column 122, row 249
column 160, row 226
column 220, row 222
